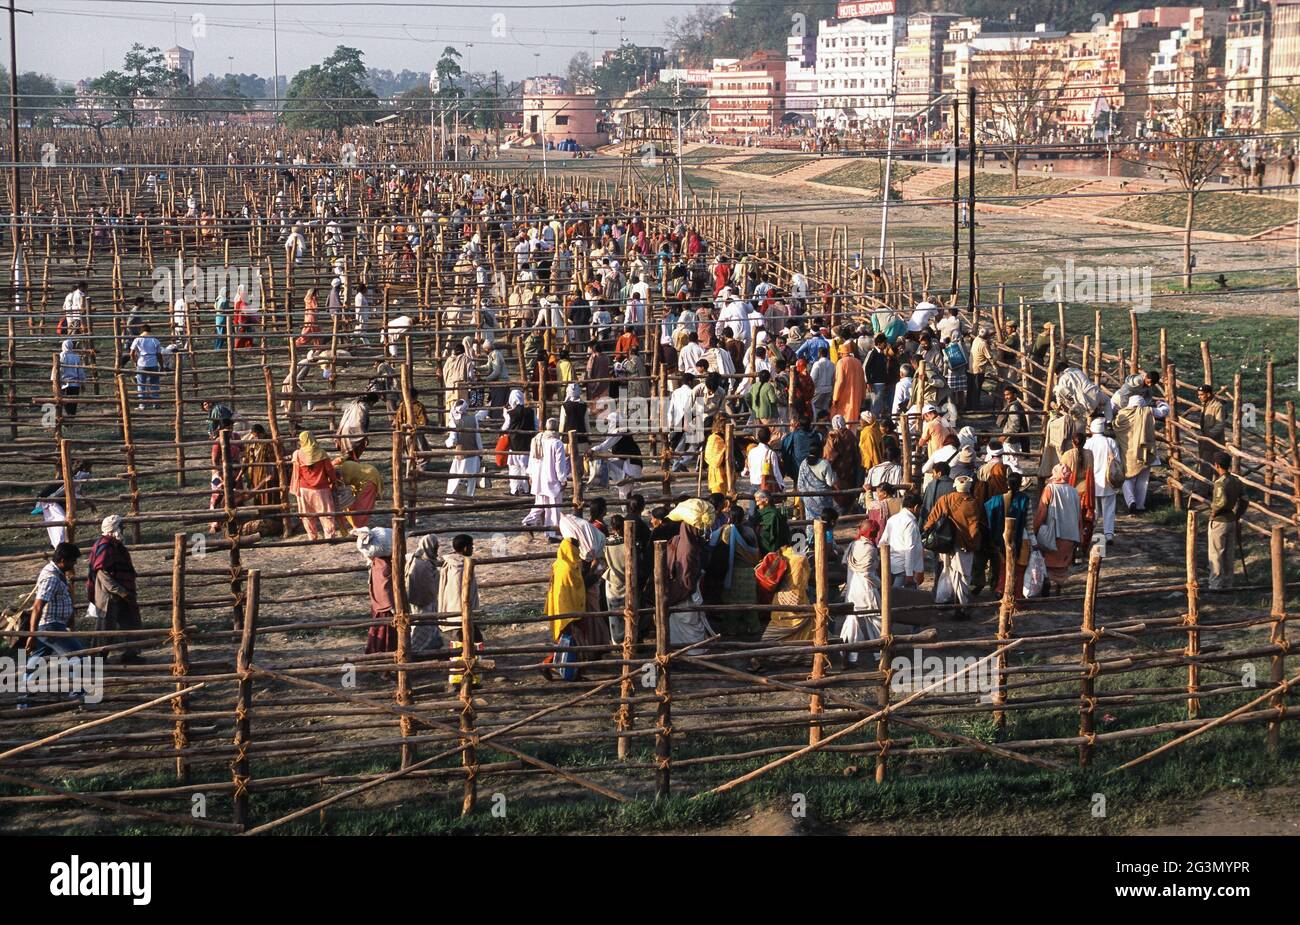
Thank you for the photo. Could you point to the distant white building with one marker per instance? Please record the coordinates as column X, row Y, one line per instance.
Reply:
column 855, row 69
column 801, row 77
column 180, row 59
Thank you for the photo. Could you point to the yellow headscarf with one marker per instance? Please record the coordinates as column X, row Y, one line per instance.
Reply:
column 568, row 592
column 309, row 452
column 871, row 444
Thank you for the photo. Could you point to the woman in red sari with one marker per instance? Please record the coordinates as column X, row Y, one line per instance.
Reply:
column 803, row 390
column 245, row 318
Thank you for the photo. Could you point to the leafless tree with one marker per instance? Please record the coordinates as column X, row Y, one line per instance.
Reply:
column 1185, row 145
column 1021, row 90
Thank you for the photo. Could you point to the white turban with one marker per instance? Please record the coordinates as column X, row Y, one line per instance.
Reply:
column 111, row 526
column 1098, row 426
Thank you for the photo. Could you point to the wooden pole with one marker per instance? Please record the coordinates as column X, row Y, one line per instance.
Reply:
column 663, row 686
column 1193, row 619
column 469, row 757
column 820, row 620
column 1087, row 690
column 1006, row 609
column 401, row 613
column 180, row 657
column 631, row 604
column 1277, row 664
column 244, row 699
column 886, row 656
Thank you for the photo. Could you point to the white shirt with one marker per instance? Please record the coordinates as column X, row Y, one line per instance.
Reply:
column 921, row 315
column 1102, row 449
column 823, row 375
column 679, row 406
column 903, row 536
column 759, row 455
column 689, row 356
column 146, row 349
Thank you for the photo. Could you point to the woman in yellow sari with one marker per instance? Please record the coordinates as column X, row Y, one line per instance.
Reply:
column 791, row 625
column 715, row 454
column 574, row 562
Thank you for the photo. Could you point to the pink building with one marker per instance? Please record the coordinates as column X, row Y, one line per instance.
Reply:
column 748, row 96
column 564, row 117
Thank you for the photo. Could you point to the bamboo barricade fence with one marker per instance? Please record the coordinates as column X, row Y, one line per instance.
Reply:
column 244, row 717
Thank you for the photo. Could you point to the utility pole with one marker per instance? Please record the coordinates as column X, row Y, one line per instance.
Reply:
column 275, row 55
column 889, row 161
column 970, row 256
column 16, row 175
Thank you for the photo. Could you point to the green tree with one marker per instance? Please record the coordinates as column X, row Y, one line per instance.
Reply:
column 143, row 77
column 39, row 97
column 331, row 95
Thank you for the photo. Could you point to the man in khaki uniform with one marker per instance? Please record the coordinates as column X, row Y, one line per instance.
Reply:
column 1213, row 425
column 1227, row 504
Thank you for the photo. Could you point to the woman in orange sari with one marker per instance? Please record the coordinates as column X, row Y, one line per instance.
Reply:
column 310, row 326
column 1079, row 462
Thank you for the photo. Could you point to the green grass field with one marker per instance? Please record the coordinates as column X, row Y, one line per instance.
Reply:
column 866, row 174
column 988, row 185
column 1225, row 212
column 770, row 165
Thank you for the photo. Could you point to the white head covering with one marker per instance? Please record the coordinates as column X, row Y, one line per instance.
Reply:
column 867, row 417
column 572, row 393
column 375, row 542
column 111, row 526
column 962, row 483
column 838, row 422
column 966, row 437
column 68, row 346
column 515, row 399
column 1098, row 426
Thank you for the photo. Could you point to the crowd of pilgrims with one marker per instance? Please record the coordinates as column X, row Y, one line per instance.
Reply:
column 786, row 421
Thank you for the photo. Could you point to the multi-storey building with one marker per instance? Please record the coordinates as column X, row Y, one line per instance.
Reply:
column 855, row 66
column 1246, row 64
column 920, row 69
column 801, row 77
column 747, row 96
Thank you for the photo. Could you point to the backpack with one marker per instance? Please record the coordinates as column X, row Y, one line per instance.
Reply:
column 942, row 537
column 955, row 354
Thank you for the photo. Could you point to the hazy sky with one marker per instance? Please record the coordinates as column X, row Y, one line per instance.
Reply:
column 71, row 39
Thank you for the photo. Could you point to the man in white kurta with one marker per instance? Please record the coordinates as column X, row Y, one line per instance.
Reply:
column 466, row 439
column 548, row 470
column 1103, row 449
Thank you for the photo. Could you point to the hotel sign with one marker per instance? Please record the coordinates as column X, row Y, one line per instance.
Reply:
column 859, row 9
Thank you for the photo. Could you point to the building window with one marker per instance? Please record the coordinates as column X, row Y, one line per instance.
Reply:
column 561, row 120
